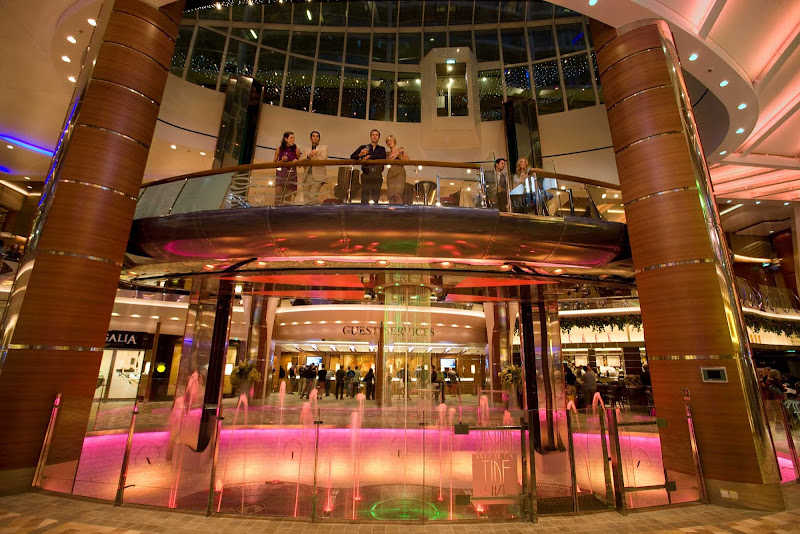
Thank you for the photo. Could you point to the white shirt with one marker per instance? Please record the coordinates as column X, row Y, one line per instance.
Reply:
column 318, row 174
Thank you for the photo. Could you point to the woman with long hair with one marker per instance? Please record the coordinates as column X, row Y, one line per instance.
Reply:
column 396, row 175
column 286, row 177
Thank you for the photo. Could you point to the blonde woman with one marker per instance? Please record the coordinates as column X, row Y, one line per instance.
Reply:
column 521, row 172
column 396, row 175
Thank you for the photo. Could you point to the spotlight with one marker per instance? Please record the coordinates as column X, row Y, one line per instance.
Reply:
column 91, row 22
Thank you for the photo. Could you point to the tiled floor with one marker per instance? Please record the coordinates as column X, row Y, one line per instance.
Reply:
column 45, row 513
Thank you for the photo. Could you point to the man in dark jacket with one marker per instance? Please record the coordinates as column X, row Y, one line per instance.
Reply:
column 371, row 177
column 340, row 374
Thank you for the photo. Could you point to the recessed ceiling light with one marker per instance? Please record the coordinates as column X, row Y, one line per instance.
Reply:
column 71, row 78
column 29, row 186
column 202, row 153
column 693, row 56
column 65, row 59
column 729, row 202
column 723, row 83
column 740, row 130
column 253, row 33
column 742, row 105
column 723, row 152
column 173, row 147
column 446, row 264
column 71, row 39
column 758, row 202
column 91, row 22
column 592, row 2
column 785, row 203
column 9, row 147
column 27, row 177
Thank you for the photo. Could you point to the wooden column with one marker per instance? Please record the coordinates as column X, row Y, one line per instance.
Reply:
column 58, row 315
column 690, row 309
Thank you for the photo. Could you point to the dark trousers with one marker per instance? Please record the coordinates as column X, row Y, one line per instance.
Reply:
column 327, row 388
column 370, row 391
column 371, row 187
column 339, row 393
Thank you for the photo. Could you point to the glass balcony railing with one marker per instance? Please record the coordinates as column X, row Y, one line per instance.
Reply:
column 414, row 183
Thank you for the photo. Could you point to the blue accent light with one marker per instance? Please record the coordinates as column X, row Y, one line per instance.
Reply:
column 28, row 146
column 5, row 169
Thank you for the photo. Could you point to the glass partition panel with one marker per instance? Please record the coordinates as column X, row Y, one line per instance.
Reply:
column 783, row 422
column 201, row 194
column 594, row 485
column 157, row 200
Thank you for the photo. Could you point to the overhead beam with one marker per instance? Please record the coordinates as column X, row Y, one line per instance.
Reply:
column 762, row 160
column 711, row 18
column 772, row 125
column 778, row 60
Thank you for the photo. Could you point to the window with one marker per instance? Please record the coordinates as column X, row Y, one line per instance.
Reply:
column 541, row 42
column 409, row 89
column 297, row 94
column 513, row 11
column 577, row 81
column 597, row 78
column 461, row 39
column 433, row 40
column 277, row 13
column 548, row 90
column 486, row 11
column 306, row 13
column 570, row 38
column 276, row 39
column 436, row 13
column 540, row 10
column 518, row 82
column 214, row 14
column 451, row 90
column 486, row 48
column 333, row 13
column 408, row 49
column 514, row 50
column 385, row 14
column 246, row 13
column 240, row 59
column 331, row 46
column 490, row 94
column 358, row 48
column 410, row 13
column 383, row 47
column 304, row 43
column 354, row 93
column 381, row 96
column 359, row 14
column 206, row 58
column 181, row 50
column 270, row 75
column 461, row 12
column 326, row 88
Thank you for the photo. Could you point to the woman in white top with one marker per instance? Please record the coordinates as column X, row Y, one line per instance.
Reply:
column 316, row 176
column 396, row 175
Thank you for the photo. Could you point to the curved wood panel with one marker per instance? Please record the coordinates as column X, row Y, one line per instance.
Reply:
column 679, row 235
column 664, row 161
column 106, row 159
column 645, row 115
column 682, row 311
column 150, row 14
column 115, row 64
column 135, row 33
column 601, row 33
column 626, row 45
column 119, row 110
column 174, row 10
column 68, row 302
column 641, row 72
column 89, row 221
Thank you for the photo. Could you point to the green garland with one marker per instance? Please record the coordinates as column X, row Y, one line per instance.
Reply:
column 598, row 323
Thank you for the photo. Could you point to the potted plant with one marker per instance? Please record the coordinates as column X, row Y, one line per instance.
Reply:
column 511, row 379
column 243, row 375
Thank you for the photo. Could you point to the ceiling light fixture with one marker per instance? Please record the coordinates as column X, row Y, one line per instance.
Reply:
column 27, row 177
column 202, row 153
column 25, row 145
column 742, row 105
column 71, row 39
column 173, row 147
column 446, row 264
column 723, row 152
column 723, row 83
column 71, row 78
column 65, row 59
column 740, row 131
column 253, row 33
column 785, row 203
column 758, row 202
column 91, row 22
column 693, row 56
column 320, row 262
column 735, row 207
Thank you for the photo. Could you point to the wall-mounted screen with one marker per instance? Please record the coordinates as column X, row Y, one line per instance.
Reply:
column 447, row 363
column 313, row 360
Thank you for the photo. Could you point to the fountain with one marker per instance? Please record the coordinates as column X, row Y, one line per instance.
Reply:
column 355, row 445
column 440, row 430
column 307, row 421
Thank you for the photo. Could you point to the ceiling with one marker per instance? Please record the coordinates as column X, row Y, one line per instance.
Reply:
column 753, row 45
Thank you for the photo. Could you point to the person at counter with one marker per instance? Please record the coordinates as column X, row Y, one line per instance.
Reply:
column 340, row 376
column 369, row 380
column 371, row 177
column 589, row 384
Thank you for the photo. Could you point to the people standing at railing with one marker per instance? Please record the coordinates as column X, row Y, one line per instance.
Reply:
column 396, row 175
column 315, row 176
column 497, row 183
column 286, row 177
column 371, row 177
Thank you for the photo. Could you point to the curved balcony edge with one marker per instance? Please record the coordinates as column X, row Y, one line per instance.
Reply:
column 363, row 231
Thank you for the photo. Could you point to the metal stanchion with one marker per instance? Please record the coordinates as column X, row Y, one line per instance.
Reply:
column 790, row 441
column 48, row 436
column 701, row 483
column 601, row 417
column 572, row 474
column 616, row 462
column 212, row 490
column 123, row 472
